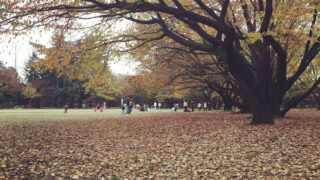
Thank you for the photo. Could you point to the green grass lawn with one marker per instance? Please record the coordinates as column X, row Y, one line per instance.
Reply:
column 73, row 114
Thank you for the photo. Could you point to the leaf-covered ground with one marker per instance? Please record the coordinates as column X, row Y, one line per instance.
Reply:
column 173, row 146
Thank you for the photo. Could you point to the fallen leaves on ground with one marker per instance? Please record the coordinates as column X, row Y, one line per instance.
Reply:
column 174, row 146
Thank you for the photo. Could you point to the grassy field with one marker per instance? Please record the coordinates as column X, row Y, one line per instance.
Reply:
column 73, row 114
column 82, row 144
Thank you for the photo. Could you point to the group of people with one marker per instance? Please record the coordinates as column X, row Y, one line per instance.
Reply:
column 205, row 108
column 128, row 105
column 199, row 105
column 66, row 107
column 175, row 107
column 98, row 108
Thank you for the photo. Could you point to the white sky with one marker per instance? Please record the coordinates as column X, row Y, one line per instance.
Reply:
column 19, row 48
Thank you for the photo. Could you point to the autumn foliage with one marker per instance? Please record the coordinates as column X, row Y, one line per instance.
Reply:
column 10, row 86
column 174, row 146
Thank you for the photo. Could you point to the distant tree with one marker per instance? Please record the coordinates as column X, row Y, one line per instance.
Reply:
column 53, row 90
column 30, row 72
column 3, row 90
column 80, row 61
column 30, row 92
column 193, row 72
column 11, row 85
column 149, row 87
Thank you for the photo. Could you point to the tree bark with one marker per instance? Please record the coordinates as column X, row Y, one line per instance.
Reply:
column 245, row 109
column 263, row 114
column 317, row 99
column 227, row 106
column 254, row 80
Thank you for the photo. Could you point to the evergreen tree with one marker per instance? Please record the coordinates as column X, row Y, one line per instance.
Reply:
column 30, row 72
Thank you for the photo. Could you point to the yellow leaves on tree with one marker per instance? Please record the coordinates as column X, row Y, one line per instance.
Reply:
column 29, row 91
column 84, row 60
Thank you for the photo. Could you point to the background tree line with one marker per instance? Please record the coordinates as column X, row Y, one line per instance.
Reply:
column 43, row 88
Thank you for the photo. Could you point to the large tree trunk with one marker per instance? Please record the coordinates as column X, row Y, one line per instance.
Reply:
column 227, row 107
column 245, row 109
column 317, row 99
column 264, row 104
column 254, row 79
column 227, row 103
column 263, row 113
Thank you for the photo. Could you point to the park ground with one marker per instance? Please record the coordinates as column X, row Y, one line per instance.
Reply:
column 48, row 144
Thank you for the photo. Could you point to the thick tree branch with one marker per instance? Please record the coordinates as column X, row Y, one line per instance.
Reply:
column 222, row 15
column 144, row 43
column 178, row 4
column 267, row 16
column 153, row 21
column 261, row 6
column 311, row 32
column 224, row 9
column 293, row 102
column 189, row 43
column 281, row 63
column 207, row 9
column 194, row 26
column 306, row 60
